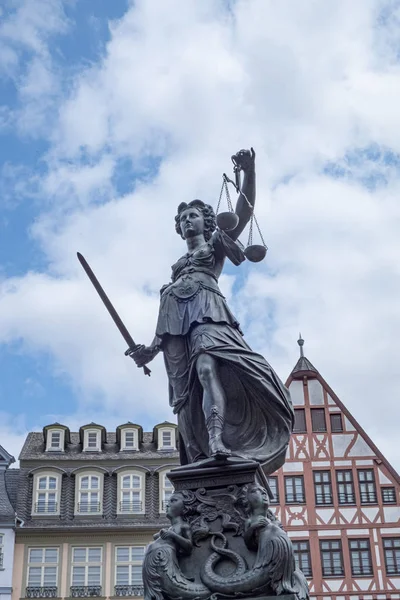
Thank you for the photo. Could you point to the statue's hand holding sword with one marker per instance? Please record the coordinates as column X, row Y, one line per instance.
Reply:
column 141, row 354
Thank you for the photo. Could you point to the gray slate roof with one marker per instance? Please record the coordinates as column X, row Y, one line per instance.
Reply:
column 12, row 478
column 34, row 449
column 303, row 364
column 7, row 512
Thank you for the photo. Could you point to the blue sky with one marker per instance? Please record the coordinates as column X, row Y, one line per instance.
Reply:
column 112, row 113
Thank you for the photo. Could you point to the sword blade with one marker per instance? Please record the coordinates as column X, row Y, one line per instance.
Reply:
column 111, row 310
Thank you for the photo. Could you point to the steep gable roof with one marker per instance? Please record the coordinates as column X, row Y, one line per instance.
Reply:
column 304, row 368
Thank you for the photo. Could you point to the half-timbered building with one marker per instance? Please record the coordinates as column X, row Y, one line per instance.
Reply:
column 338, row 497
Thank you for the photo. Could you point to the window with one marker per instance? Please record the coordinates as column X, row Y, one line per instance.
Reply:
column 46, row 494
column 1, row 551
column 128, row 570
column 345, row 487
column 167, row 439
column 336, row 422
column 55, row 440
column 86, row 572
column 366, row 482
column 331, row 558
column 42, row 573
column 273, row 484
column 129, row 439
column 388, row 495
column 318, row 419
column 299, row 421
column 89, row 494
column 131, row 492
column 323, row 487
column 294, row 490
column 91, row 440
column 391, row 547
column 302, row 556
column 360, row 557
column 166, row 491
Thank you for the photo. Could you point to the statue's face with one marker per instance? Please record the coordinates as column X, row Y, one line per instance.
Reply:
column 175, row 506
column 257, row 496
column 192, row 222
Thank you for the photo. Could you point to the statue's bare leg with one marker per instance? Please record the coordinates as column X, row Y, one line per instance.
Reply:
column 213, row 404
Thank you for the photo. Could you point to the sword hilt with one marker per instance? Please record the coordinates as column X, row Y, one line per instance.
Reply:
column 133, row 349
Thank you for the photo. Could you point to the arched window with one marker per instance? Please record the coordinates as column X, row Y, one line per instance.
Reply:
column 131, row 492
column 46, row 493
column 166, row 490
column 89, row 493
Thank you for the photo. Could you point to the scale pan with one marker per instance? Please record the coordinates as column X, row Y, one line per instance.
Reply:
column 255, row 252
column 227, row 221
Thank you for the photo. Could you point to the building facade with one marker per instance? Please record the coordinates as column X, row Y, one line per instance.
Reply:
column 337, row 497
column 89, row 503
column 7, row 522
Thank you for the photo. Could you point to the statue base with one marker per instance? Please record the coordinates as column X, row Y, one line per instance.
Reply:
column 224, row 542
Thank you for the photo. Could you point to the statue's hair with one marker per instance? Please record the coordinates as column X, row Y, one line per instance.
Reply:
column 188, row 499
column 243, row 496
column 210, row 220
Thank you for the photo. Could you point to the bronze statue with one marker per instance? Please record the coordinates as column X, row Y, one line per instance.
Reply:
column 161, row 572
column 227, row 398
column 274, row 567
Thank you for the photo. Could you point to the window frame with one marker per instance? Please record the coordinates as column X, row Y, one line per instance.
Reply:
column 367, row 482
column 86, row 434
column 301, row 552
column 331, row 551
column 303, row 412
column 161, row 445
column 142, row 491
column 48, row 473
column 86, row 565
column 345, row 483
column 295, row 500
column 322, row 484
column 314, row 411
column 124, row 447
column 274, row 500
column 359, row 552
column 130, row 563
column 1, row 551
column 89, row 490
column 336, row 414
column 395, row 550
column 42, row 565
column 164, row 488
column 386, row 488
column 49, row 440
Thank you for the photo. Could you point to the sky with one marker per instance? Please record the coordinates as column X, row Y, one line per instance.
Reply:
column 113, row 113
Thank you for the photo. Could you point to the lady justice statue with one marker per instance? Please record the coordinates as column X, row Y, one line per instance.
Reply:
column 228, row 400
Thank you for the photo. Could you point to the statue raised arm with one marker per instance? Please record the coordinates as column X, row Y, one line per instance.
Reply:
column 209, row 365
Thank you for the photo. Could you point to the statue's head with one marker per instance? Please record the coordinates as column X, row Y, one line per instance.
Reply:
column 253, row 496
column 195, row 218
column 180, row 504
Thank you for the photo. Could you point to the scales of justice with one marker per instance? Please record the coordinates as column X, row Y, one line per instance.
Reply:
column 234, row 414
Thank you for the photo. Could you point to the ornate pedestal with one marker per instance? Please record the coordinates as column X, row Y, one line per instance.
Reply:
column 224, row 542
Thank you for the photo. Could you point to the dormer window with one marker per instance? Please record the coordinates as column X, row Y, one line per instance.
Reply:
column 129, row 439
column 91, row 440
column 55, row 440
column 166, row 438
column 46, row 495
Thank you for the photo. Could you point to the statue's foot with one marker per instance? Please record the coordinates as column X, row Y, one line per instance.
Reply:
column 218, row 449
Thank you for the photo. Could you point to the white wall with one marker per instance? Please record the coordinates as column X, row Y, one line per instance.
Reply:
column 8, row 560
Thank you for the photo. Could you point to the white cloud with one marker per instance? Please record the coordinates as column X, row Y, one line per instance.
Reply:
column 188, row 84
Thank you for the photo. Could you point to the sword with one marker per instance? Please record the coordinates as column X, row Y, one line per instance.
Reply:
column 113, row 313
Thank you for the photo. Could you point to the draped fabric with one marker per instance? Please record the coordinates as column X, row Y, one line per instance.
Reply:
column 194, row 318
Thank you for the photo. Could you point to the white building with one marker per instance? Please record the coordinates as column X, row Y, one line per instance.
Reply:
column 7, row 523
